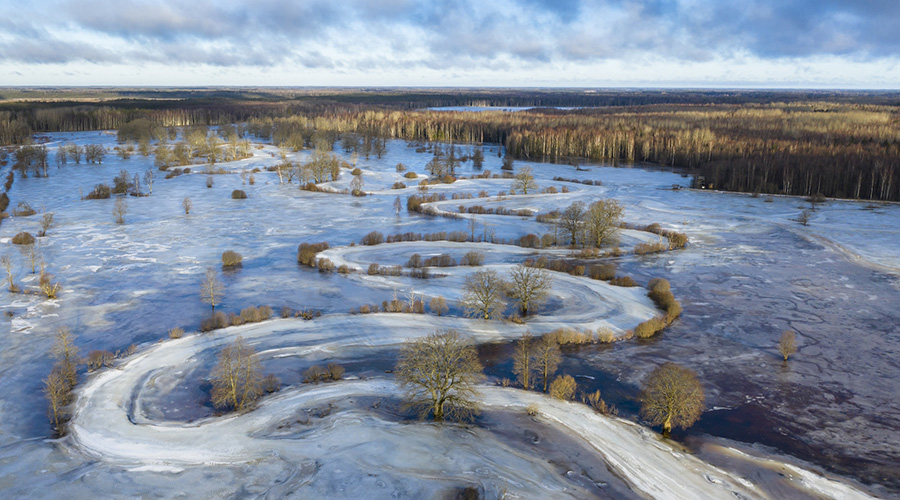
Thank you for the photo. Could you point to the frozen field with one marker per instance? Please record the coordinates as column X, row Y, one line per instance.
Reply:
column 824, row 425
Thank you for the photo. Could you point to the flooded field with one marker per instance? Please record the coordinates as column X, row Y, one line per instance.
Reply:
column 750, row 272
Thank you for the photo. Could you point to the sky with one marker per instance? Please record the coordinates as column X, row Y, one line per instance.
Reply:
column 495, row 43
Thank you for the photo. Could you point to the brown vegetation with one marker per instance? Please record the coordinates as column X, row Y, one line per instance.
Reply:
column 237, row 377
column 672, row 396
column 231, row 259
column 438, row 374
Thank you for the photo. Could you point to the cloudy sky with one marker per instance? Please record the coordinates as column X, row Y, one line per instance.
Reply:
column 580, row 43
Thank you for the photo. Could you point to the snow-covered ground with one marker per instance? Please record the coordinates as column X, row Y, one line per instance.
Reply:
column 749, row 272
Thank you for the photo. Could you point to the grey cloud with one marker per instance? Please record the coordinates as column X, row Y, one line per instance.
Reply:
column 51, row 51
column 461, row 33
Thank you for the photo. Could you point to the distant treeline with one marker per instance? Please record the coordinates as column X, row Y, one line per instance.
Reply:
column 840, row 144
column 839, row 150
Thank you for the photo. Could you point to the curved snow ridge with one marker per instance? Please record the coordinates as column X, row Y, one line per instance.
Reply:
column 579, row 302
column 652, row 467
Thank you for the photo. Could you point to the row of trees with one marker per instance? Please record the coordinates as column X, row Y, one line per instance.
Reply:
column 439, row 375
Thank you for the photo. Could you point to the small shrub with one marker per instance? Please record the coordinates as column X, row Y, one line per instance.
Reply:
column 645, row 248
column 626, row 281
column 676, row 240
column 442, row 260
column 563, row 336
column 529, row 241
column 563, row 387
column 398, row 185
column 209, row 181
column 230, row 258
column 448, row 179
column 238, row 194
column 603, row 271
column 99, row 359
column 373, row 238
column 438, row 305
column 176, row 333
column 410, row 175
column 650, row 327
column 605, row 335
column 271, row 383
column 286, row 312
column 532, row 409
column 313, row 375
column 343, row 269
column 218, row 320
column 415, row 261
column 659, row 285
column 23, row 209
column 306, row 252
column 325, row 265
column 596, row 402
column 100, row 192
column 335, row 371
column 472, row 258
column 23, row 238
column 356, row 171
column 374, row 269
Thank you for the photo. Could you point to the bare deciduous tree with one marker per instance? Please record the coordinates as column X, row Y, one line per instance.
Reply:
column 187, row 204
column 524, row 180
column 237, row 377
column 46, row 223
column 149, row 177
column 119, row 210
column 529, row 286
column 65, row 353
column 57, row 391
column 438, row 305
column 483, row 294
column 211, row 289
column 672, row 396
column 6, row 262
column 398, row 205
column 547, row 358
column 787, row 344
column 603, row 218
column 439, row 373
column 524, row 365
column 356, row 185
column 572, row 219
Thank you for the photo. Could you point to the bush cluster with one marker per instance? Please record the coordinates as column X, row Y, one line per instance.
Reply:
column 586, row 182
column 563, row 336
column 98, row 359
column 315, row 374
column 373, row 238
column 306, row 253
column 661, row 294
column 472, row 258
column 23, row 238
column 100, row 192
column 645, row 248
column 230, row 258
column 625, row 281
column 238, row 194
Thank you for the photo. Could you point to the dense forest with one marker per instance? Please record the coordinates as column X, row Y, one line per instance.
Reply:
column 840, row 144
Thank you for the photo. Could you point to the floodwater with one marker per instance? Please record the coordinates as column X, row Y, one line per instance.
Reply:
column 749, row 273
